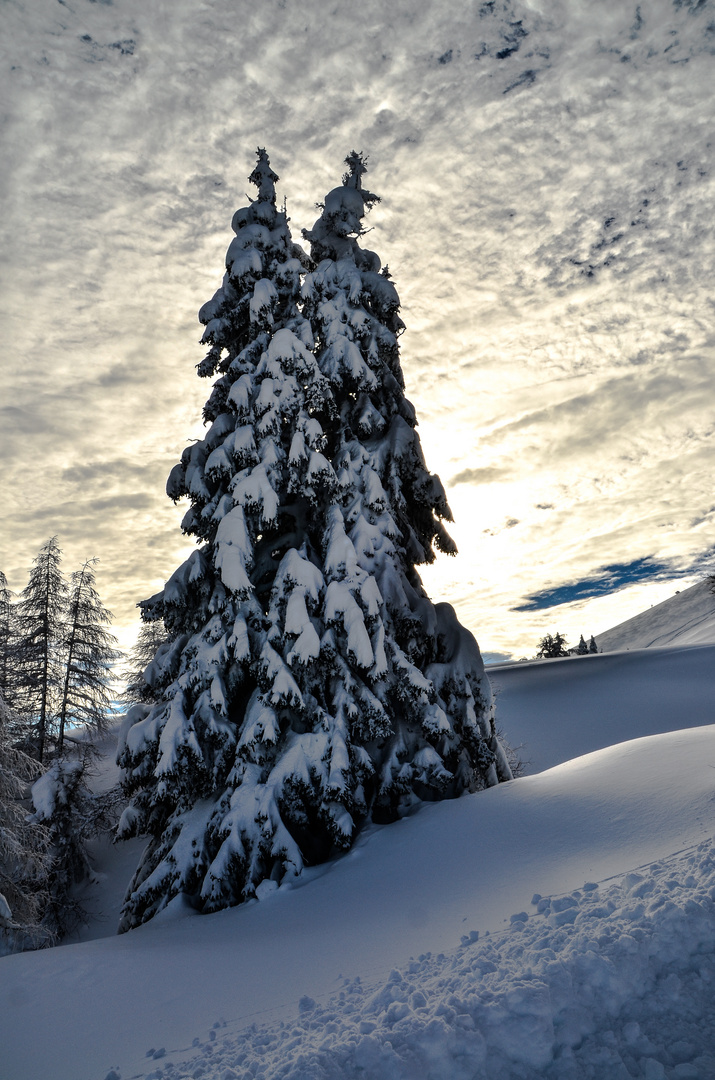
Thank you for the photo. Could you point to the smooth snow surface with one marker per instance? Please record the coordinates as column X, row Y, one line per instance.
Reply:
column 596, row 701
column 406, row 890
column 600, row 982
column 688, row 618
column 561, row 926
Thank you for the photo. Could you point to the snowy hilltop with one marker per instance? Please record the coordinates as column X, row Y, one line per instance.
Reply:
column 688, row 618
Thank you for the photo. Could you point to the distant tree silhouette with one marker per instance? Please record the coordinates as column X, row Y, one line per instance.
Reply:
column 136, row 676
column 8, row 644
column 552, row 646
column 582, row 648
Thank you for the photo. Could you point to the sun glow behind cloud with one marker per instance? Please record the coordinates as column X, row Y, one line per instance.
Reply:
column 547, row 182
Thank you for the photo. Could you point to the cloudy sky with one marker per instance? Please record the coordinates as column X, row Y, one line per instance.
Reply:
column 546, row 174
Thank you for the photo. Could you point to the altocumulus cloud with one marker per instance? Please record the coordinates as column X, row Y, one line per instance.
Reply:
column 547, row 181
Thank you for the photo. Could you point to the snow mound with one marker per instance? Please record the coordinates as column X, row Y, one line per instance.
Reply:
column 607, row 982
column 688, row 618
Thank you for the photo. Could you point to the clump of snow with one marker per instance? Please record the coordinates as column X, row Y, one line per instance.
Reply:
column 608, row 981
column 50, row 788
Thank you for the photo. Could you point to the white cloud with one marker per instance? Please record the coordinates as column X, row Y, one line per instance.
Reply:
column 547, row 181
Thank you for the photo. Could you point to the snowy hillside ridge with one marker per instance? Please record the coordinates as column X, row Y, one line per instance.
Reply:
column 554, row 710
column 688, row 618
column 604, row 982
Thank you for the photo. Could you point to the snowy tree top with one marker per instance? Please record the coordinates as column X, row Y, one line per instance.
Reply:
column 263, row 209
column 341, row 220
column 264, row 178
column 262, row 281
column 357, row 167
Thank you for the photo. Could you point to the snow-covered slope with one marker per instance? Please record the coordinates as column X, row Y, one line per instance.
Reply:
column 598, row 981
column 688, row 618
column 554, row 710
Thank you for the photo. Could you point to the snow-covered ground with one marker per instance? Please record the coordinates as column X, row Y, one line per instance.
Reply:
column 559, row 926
column 555, row 710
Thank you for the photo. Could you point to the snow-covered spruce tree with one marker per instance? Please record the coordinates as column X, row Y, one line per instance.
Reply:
column 70, row 814
column 310, row 684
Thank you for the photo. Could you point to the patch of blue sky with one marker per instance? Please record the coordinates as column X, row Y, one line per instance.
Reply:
column 605, row 581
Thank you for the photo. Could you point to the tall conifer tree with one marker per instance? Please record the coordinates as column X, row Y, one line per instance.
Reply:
column 8, row 630
column 88, row 653
column 40, row 616
column 310, row 684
